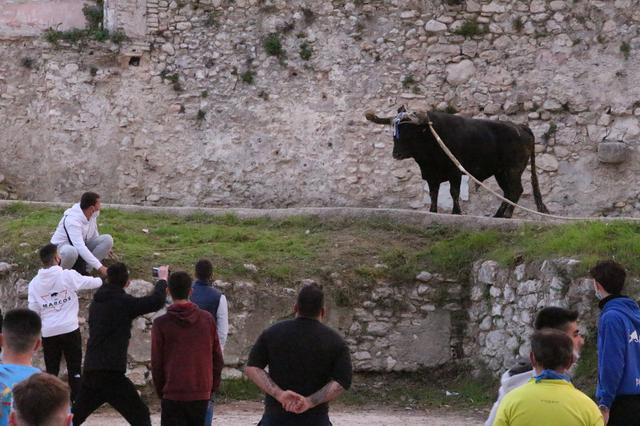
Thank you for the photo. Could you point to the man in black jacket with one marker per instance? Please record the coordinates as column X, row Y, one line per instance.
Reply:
column 105, row 363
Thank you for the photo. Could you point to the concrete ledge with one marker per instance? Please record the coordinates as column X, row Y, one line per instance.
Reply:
column 401, row 216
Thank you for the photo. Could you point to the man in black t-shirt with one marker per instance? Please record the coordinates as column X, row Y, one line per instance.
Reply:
column 309, row 365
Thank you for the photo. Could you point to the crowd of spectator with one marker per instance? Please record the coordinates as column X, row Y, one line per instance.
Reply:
column 300, row 364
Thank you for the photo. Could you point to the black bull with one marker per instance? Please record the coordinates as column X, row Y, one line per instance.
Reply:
column 485, row 148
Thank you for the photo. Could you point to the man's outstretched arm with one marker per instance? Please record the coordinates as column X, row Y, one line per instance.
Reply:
column 266, row 384
column 328, row 393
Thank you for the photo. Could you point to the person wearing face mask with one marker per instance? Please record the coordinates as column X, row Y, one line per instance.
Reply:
column 553, row 317
column 549, row 397
column 77, row 236
column 52, row 294
column 618, row 389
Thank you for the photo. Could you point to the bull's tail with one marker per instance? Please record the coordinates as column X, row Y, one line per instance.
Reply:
column 534, row 176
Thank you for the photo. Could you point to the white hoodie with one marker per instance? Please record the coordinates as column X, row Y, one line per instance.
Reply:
column 80, row 231
column 52, row 294
column 508, row 382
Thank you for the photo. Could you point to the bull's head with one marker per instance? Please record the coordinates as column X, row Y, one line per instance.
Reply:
column 406, row 127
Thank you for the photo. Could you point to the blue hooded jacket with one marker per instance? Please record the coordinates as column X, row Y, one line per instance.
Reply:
column 618, row 350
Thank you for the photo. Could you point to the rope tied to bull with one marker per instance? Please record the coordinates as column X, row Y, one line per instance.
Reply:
column 460, row 167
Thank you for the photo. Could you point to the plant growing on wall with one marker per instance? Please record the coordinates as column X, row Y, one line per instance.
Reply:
column 27, row 62
column 470, row 28
column 305, row 51
column 94, row 29
column 273, row 46
column 553, row 128
column 248, row 77
column 211, row 19
column 625, row 48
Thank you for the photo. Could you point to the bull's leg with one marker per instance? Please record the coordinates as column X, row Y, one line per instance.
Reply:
column 434, row 187
column 511, row 186
column 454, row 190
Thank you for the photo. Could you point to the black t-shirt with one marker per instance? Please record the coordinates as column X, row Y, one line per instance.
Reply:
column 303, row 355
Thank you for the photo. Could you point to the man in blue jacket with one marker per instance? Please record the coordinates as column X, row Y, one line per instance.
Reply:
column 618, row 390
column 210, row 299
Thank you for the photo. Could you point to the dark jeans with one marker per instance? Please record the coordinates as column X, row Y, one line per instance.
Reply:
column 183, row 413
column 112, row 387
column 625, row 411
column 274, row 420
column 69, row 344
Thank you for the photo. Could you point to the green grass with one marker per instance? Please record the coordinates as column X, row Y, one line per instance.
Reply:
column 586, row 372
column 301, row 247
column 419, row 391
column 426, row 390
column 238, row 389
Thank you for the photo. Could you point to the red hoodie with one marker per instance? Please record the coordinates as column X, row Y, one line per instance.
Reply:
column 186, row 360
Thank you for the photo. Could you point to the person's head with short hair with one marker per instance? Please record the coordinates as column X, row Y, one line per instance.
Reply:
column 49, row 255
column 20, row 333
column 118, row 275
column 204, row 270
column 41, row 400
column 561, row 319
column 551, row 349
column 609, row 276
column 179, row 285
column 310, row 302
column 89, row 199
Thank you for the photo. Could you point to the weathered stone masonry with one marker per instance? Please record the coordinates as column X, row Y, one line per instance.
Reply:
column 85, row 118
column 429, row 322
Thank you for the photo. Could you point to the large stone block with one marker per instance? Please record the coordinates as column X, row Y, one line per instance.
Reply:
column 426, row 342
column 461, row 72
column 612, row 152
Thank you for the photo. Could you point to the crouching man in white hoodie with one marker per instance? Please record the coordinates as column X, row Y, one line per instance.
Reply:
column 52, row 294
column 77, row 235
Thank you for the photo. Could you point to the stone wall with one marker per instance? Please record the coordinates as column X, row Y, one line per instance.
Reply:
column 387, row 327
column 505, row 301
column 429, row 322
column 195, row 112
column 20, row 18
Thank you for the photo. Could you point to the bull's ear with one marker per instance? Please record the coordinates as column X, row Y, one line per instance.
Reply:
column 402, row 109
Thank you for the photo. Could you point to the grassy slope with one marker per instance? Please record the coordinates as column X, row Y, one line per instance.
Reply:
column 296, row 248
column 300, row 247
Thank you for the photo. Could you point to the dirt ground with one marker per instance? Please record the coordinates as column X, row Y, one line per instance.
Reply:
column 248, row 414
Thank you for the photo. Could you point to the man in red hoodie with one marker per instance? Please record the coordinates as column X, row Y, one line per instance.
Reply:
column 186, row 360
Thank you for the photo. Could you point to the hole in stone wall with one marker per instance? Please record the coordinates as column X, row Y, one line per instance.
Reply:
column 134, row 61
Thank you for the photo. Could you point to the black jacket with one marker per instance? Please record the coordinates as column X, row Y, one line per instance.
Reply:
column 110, row 317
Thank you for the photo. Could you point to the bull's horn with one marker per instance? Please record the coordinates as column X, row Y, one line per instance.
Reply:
column 371, row 116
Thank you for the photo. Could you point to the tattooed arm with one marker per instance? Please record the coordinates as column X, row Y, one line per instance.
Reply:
column 262, row 379
column 329, row 392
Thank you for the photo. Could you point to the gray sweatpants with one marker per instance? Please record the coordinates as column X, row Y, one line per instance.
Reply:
column 99, row 246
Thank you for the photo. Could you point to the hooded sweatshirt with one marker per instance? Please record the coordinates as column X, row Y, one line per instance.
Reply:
column 618, row 349
column 186, row 360
column 52, row 294
column 511, row 379
column 110, row 317
column 80, row 231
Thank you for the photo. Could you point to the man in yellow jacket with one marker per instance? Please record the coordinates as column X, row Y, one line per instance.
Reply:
column 549, row 398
